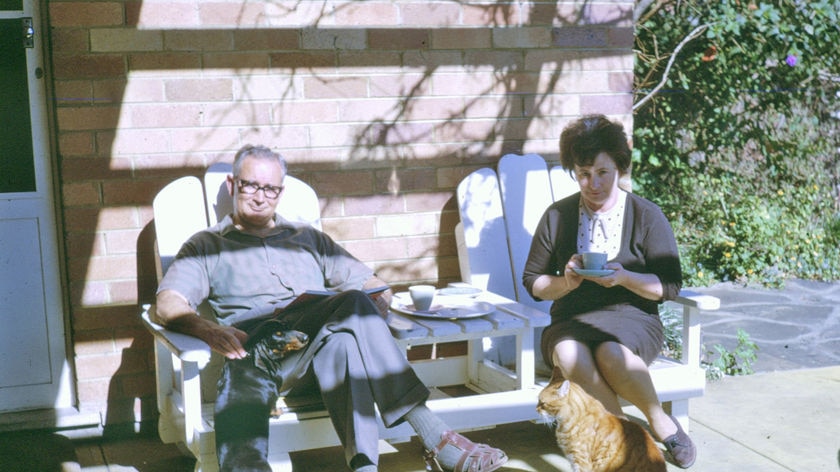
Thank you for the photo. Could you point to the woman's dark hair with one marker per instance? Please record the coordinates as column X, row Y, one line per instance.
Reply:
column 583, row 139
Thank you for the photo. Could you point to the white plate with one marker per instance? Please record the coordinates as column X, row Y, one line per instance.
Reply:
column 594, row 272
column 460, row 291
column 463, row 310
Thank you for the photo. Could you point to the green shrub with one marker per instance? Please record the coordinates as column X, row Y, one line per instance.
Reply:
column 740, row 147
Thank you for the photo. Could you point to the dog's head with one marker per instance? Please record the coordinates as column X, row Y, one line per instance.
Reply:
column 282, row 342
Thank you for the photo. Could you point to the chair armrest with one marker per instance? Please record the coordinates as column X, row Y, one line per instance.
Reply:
column 697, row 300
column 692, row 303
column 185, row 347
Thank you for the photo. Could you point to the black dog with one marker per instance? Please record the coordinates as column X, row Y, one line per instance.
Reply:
column 269, row 343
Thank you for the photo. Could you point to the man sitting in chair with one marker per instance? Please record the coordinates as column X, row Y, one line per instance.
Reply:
column 254, row 261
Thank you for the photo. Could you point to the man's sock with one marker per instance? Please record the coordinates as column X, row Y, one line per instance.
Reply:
column 430, row 428
column 361, row 463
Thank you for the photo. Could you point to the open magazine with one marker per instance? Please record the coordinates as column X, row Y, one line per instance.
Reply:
column 312, row 295
column 246, row 320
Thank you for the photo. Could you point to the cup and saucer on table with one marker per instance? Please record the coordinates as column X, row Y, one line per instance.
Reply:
column 452, row 302
column 593, row 265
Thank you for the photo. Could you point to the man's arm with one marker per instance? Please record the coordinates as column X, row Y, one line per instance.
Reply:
column 174, row 312
column 382, row 299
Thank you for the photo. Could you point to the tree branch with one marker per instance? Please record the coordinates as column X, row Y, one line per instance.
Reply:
column 694, row 33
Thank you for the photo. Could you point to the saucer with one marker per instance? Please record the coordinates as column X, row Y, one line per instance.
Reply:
column 593, row 272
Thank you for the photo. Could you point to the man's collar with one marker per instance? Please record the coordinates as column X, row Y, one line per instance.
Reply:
column 227, row 225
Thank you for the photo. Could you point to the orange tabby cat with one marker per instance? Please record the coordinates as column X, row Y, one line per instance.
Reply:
column 593, row 439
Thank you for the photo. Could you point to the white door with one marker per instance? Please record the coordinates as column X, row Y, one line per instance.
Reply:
column 34, row 370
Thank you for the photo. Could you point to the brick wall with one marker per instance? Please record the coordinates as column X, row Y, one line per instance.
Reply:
column 382, row 106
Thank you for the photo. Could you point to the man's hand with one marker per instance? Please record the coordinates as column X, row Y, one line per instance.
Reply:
column 174, row 312
column 382, row 300
column 226, row 340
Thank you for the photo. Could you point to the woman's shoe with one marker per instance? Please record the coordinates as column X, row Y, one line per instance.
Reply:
column 680, row 446
column 474, row 458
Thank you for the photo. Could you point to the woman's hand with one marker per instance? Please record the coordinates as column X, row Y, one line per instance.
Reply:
column 611, row 280
column 552, row 287
column 645, row 285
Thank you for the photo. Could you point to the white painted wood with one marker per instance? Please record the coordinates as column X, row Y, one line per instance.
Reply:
column 35, row 371
column 186, row 416
column 526, row 188
column 484, row 235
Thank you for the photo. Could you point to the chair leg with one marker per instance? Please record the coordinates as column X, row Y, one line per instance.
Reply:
column 280, row 462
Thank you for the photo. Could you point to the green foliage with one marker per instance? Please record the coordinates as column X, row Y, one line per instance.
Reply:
column 736, row 362
column 740, row 147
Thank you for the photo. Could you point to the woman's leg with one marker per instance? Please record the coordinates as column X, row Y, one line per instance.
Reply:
column 629, row 377
column 577, row 364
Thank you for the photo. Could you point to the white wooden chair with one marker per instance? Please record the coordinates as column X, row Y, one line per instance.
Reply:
column 187, row 371
column 499, row 212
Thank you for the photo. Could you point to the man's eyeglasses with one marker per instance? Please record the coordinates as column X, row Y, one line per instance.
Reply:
column 250, row 188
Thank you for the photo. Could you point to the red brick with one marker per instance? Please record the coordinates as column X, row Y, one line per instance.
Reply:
column 348, row 228
column 88, row 343
column 87, row 66
column 237, row 60
column 88, row 118
column 266, row 40
column 75, row 143
column 461, row 38
column 580, row 37
column 399, row 39
column 93, row 392
column 95, row 367
column 116, row 192
column 145, row 141
column 304, row 60
column 607, row 104
column 109, row 91
column 197, row 140
column 199, row 90
column 123, row 291
column 198, row 40
column 66, row 41
column 81, row 194
column 119, row 218
column 164, row 61
column 509, row 14
column 85, row 168
column 122, row 242
column 82, row 245
column 349, row 182
column 156, row 15
column 357, row 14
column 235, row 14
column 437, row 14
column 78, row 13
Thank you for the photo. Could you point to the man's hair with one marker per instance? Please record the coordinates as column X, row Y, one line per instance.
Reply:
column 259, row 152
column 585, row 138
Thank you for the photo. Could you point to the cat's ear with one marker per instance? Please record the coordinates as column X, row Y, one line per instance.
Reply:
column 563, row 390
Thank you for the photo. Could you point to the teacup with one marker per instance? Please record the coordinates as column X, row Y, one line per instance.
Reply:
column 422, row 296
column 594, row 260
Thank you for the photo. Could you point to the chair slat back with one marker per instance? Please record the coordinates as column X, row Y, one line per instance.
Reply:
column 483, row 246
column 526, row 193
column 179, row 212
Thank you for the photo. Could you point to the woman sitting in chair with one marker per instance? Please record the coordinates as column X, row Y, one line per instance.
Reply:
column 605, row 329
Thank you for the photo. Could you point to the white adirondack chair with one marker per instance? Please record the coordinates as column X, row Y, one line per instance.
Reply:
column 186, row 370
column 499, row 213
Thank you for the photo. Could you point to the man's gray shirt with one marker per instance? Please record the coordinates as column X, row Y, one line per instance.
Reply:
column 237, row 272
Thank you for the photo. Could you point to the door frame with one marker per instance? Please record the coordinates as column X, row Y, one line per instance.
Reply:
column 48, row 190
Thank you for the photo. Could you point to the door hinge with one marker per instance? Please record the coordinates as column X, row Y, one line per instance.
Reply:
column 28, row 33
